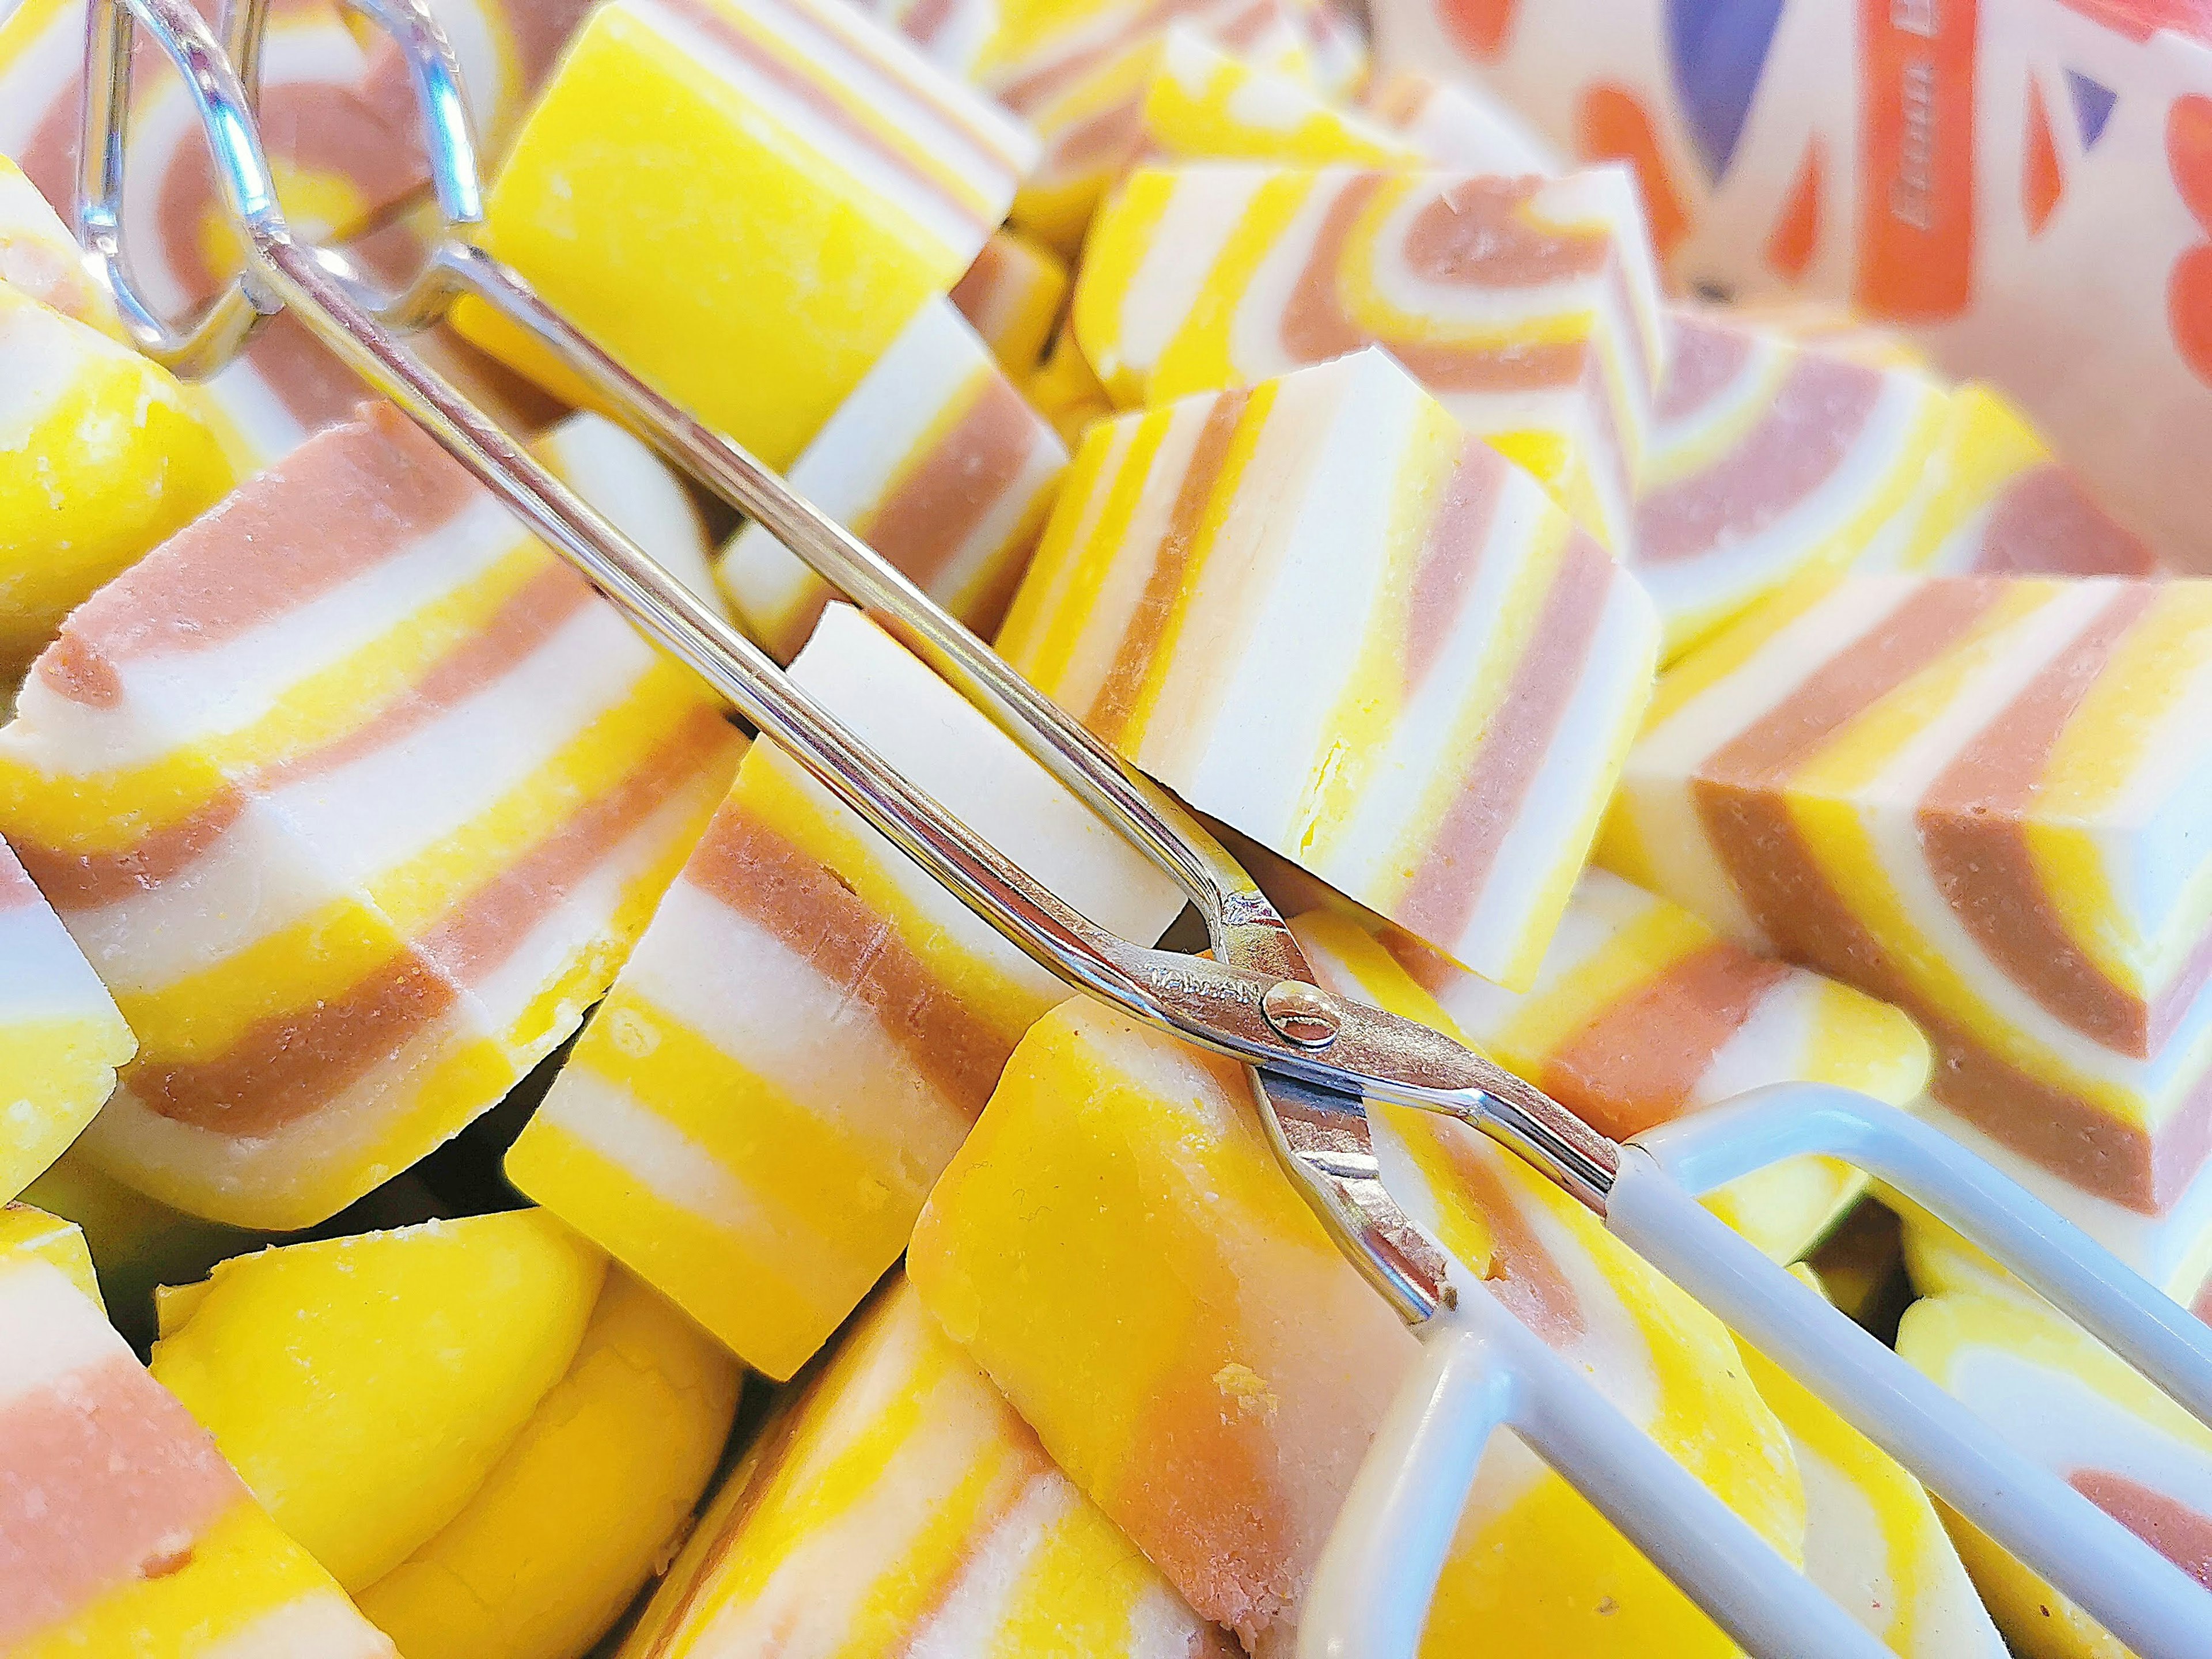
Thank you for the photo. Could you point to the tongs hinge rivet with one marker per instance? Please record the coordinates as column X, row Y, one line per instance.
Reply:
column 1301, row 1013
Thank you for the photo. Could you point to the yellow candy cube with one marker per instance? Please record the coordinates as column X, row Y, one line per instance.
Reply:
column 1117, row 1249
column 101, row 456
column 365, row 1387
column 589, row 1500
column 745, row 201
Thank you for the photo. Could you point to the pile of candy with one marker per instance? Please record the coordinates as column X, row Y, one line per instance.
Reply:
column 468, row 1058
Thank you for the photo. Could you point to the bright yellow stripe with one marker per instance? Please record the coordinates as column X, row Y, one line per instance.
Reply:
column 1200, row 355
column 856, row 1196
column 1078, row 1592
column 1244, row 442
column 1640, row 953
column 242, row 1569
column 741, row 1289
column 1983, row 447
column 55, row 1072
column 316, row 959
column 809, row 1495
column 1371, row 703
column 1041, row 601
column 1051, row 639
column 560, row 1001
column 1854, row 1041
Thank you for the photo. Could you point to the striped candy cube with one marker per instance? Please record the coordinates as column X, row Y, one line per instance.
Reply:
column 751, row 1121
column 1976, row 798
column 898, row 1506
column 1529, row 307
column 1769, row 460
column 1013, row 296
column 338, row 161
column 61, row 1039
column 1423, row 705
column 1117, row 1249
column 745, row 201
column 1204, row 103
column 1077, row 74
column 1641, row 1014
column 2070, row 1406
column 1995, row 499
column 1458, row 125
column 356, row 798
column 39, row 257
column 1872, row 1540
column 936, row 462
column 122, row 1530
column 105, row 456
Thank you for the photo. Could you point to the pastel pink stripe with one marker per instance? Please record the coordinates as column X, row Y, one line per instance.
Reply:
column 105, row 1481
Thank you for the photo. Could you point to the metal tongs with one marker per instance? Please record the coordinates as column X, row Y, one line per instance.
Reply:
column 1313, row 1060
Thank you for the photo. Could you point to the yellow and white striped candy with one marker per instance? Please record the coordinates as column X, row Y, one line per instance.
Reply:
column 810, row 1023
column 1424, row 705
column 1528, row 307
column 354, row 797
column 937, row 462
column 1975, row 798
column 899, row 1505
